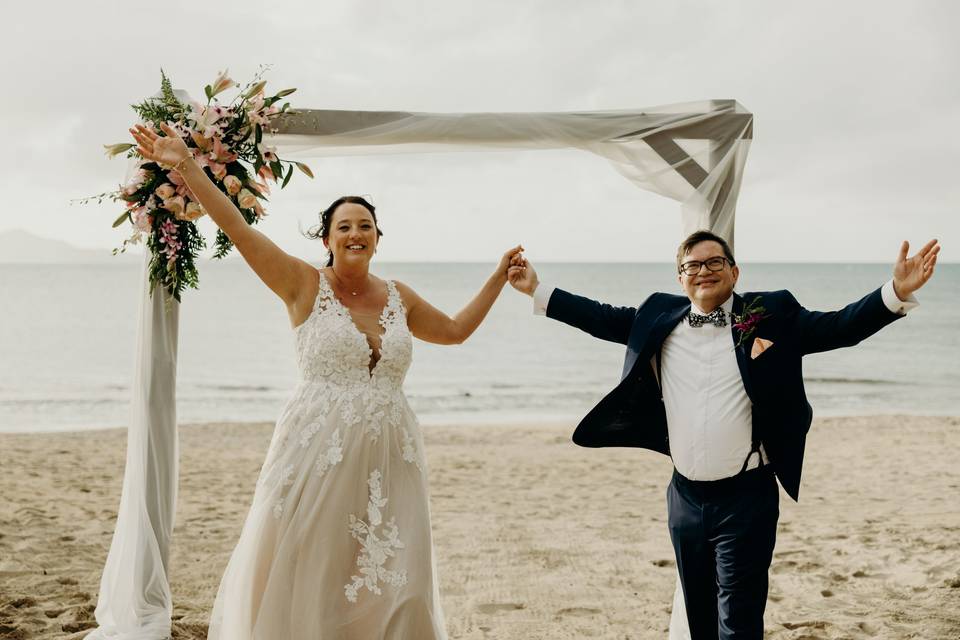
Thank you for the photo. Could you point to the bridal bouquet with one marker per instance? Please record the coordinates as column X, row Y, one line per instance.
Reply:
column 227, row 141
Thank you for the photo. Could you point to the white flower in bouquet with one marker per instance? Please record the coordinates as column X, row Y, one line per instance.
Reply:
column 269, row 153
column 135, row 182
column 221, row 84
column 206, row 119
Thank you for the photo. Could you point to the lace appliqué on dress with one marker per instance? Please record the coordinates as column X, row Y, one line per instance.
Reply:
column 375, row 547
column 334, row 359
column 410, row 450
column 332, row 455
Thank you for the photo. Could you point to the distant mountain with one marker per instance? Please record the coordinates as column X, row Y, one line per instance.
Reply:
column 25, row 248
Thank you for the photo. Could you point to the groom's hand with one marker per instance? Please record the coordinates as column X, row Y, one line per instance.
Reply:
column 522, row 275
column 909, row 274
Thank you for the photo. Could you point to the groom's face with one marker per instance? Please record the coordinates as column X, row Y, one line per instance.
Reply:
column 708, row 289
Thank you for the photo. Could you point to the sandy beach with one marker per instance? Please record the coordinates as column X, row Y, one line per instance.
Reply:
column 536, row 538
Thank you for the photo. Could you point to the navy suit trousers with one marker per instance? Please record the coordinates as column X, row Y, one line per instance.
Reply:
column 723, row 534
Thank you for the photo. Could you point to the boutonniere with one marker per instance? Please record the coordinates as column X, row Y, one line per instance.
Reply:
column 748, row 321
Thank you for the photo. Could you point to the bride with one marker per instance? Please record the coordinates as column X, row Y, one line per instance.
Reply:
column 337, row 542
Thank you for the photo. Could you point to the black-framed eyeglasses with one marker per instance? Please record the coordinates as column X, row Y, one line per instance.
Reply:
column 692, row 268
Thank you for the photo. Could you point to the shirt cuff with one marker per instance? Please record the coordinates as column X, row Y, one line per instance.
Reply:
column 895, row 304
column 541, row 296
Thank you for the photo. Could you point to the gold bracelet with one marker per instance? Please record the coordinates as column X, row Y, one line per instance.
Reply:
column 177, row 167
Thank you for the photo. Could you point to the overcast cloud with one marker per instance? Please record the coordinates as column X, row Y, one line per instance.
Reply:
column 857, row 108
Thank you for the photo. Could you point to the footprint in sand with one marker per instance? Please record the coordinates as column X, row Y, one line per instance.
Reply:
column 783, row 565
column 80, row 625
column 815, row 624
column 20, row 603
column 498, row 607
column 578, row 611
column 662, row 563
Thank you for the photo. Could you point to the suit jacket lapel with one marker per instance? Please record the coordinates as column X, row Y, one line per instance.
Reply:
column 659, row 330
column 662, row 327
column 743, row 362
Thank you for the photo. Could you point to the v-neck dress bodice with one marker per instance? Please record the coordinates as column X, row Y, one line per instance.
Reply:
column 337, row 543
column 331, row 349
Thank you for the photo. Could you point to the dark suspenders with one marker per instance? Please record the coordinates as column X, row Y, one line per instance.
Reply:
column 754, row 449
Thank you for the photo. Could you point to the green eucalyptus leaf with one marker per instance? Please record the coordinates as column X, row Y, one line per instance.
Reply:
column 123, row 218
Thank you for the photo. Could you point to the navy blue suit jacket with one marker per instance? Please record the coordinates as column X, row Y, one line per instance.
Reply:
column 632, row 414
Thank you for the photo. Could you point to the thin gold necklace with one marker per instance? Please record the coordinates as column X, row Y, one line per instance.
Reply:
column 340, row 282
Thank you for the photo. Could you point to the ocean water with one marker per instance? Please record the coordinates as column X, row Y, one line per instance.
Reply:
column 68, row 332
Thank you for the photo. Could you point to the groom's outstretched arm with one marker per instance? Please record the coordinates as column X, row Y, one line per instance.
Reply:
column 604, row 321
column 823, row 331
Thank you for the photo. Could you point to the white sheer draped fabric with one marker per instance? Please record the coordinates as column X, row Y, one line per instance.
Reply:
column 134, row 601
column 693, row 153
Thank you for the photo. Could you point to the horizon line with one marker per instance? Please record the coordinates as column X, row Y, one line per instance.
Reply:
column 126, row 262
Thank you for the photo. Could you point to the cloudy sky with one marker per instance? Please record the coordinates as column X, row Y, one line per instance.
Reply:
column 857, row 116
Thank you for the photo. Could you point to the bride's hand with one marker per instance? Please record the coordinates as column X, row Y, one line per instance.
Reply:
column 509, row 258
column 167, row 150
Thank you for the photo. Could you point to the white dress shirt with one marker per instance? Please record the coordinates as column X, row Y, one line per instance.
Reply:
column 709, row 415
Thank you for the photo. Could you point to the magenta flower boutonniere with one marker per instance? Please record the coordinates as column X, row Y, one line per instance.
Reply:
column 748, row 321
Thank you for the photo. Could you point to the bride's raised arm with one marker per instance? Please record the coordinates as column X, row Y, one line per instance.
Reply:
column 429, row 324
column 287, row 276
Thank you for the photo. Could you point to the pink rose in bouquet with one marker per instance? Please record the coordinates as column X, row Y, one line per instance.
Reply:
column 165, row 191
column 246, row 199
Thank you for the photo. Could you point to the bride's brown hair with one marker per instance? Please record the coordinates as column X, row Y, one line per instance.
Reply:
column 322, row 230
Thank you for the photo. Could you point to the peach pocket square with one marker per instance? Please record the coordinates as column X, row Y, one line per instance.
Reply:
column 759, row 346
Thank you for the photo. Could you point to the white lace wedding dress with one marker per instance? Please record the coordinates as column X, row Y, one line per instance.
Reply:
column 337, row 543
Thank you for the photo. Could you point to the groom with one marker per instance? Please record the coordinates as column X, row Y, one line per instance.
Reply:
column 713, row 379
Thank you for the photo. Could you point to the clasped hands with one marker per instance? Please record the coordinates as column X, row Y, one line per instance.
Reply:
column 521, row 274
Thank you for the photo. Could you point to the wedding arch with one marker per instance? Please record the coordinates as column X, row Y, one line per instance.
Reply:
column 693, row 153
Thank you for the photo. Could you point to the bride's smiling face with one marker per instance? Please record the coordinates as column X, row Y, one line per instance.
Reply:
column 353, row 234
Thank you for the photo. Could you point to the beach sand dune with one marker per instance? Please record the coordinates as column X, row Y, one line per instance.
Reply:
column 537, row 538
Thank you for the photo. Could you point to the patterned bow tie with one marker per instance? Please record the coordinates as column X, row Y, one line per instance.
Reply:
column 717, row 317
